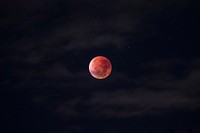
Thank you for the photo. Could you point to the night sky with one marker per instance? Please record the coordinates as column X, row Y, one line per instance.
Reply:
column 46, row 47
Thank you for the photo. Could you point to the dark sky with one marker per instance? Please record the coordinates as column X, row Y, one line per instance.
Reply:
column 46, row 47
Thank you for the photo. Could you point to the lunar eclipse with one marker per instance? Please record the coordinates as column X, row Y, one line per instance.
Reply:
column 100, row 67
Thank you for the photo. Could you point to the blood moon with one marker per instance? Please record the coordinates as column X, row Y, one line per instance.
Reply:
column 100, row 67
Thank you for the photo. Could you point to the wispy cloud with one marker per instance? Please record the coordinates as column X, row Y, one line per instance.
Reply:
column 155, row 94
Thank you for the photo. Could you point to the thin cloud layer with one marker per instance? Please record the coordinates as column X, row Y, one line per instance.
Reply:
column 46, row 47
column 152, row 95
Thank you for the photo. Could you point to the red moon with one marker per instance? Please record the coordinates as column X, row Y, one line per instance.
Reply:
column 100, row 67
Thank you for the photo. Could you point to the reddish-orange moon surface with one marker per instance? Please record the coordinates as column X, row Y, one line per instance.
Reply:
column 100, row 67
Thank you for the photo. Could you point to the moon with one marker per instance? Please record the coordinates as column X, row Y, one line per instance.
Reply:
column 100, row 67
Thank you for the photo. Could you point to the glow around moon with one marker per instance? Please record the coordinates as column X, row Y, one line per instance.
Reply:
column 100, row 67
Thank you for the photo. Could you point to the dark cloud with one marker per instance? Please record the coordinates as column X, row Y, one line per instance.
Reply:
column 150, row 94
column 46, row 47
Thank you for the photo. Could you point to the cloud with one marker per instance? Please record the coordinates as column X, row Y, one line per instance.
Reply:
column 141, row 102
column 155, row 94
column 44, row 39
column 121, row 96
column 53, row 26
